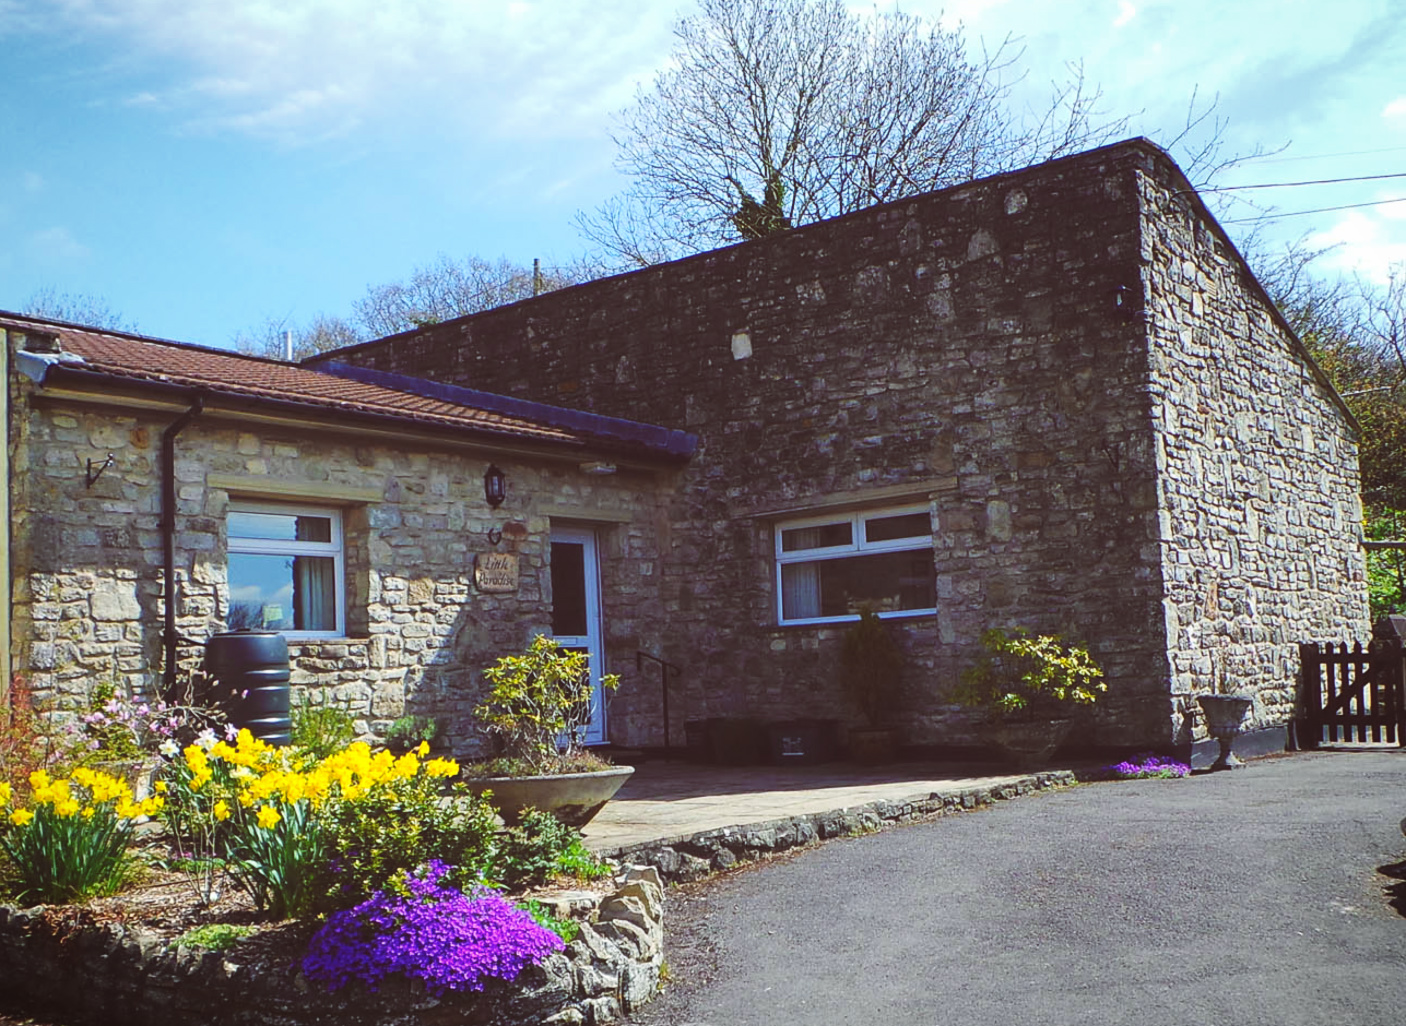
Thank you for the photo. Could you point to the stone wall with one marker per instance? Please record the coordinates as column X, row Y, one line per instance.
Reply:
column 114, row 974
column 88, row 582
column 1257, row 473
column 965, row 349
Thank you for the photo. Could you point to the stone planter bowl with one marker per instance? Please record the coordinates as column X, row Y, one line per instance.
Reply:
column 1026, row 744
column 574, row 798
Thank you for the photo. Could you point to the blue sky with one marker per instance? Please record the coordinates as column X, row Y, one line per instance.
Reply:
column 206, row 165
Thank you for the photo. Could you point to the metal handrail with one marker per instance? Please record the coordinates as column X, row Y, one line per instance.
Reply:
column 665, row 668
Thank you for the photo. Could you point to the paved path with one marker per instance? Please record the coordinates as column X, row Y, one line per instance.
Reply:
column 1250, row 898
column 666, row 801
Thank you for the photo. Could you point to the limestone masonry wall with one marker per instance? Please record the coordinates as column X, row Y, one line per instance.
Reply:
column 966, row 349
column 1257, row 475
column 88, row 602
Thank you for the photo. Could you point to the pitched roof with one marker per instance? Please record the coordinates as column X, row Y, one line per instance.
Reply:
column 86, row 353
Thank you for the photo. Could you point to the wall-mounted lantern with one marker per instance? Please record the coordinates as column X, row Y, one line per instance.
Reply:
column 495, row 486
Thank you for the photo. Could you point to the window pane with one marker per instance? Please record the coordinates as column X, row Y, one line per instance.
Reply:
column 820, row 536
column 569, row 589
column 279, row 526
column 905, row 525
column 887, row 582
column 282, row 593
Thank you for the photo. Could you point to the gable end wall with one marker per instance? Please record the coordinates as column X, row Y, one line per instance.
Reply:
column 1257, row 474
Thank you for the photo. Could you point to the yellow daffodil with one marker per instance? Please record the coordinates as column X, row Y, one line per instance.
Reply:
column 5, row 794
column 441, row 768
column 21, row 817
column 221, row 811
column 268, row 817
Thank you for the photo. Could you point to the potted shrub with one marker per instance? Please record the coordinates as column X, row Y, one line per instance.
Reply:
column 1026, row 688
column 536, row 709
column 871, row 665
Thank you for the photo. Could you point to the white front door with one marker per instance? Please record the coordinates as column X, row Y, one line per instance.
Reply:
column 576, row 622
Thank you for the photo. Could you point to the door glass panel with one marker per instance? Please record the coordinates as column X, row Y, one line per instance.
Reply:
column 569, row 589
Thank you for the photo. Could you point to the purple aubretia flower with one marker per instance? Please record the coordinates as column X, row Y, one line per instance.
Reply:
column 1143, row 766
column 447, row 938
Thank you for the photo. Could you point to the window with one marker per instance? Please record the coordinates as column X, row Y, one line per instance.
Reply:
column 285, row 569
column 827, row 567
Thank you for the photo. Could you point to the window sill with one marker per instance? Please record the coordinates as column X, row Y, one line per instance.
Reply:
column 842, row 624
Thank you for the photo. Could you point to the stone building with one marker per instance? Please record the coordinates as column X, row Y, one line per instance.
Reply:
column 351, row 514
column 1054, row 398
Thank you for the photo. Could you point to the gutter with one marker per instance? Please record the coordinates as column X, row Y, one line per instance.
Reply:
column 169, row 638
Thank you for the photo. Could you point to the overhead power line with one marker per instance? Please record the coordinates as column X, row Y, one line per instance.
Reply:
column 1316, row 210
column 1314, row 181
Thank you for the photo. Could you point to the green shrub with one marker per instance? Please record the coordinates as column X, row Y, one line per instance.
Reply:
column 213, row 936
column 541, row 848
column 397, row 827
column 410, row 732
column 567, row 929
column 1021, row 674
column 321, row 730
column 539, row 702
column 871, row 664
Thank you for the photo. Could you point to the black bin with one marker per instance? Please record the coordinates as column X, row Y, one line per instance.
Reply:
column 251, row 673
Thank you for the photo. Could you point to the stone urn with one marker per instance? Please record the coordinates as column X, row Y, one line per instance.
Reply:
column 1026, row 742
column 573, row 798
column 1225, row 721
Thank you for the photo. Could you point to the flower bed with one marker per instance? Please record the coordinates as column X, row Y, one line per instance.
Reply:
column 311, row 881
column 63, row 962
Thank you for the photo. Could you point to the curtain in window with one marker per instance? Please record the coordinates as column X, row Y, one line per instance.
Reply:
column 314, row 594
column 800, row 590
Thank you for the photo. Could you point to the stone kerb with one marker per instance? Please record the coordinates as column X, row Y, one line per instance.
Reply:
column 692, row 856
column 116, row 974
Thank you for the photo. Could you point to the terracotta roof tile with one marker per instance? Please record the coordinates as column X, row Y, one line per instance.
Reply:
column 233, row 374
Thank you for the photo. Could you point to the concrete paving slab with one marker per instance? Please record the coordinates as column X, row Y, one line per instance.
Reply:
column 668, row 800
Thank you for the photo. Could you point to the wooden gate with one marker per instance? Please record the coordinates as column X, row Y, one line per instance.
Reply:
column 1351, row 696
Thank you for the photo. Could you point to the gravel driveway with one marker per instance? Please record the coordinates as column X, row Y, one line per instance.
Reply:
column 1262, row 896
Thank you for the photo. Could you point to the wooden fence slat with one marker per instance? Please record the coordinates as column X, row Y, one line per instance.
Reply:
column 1353, row 695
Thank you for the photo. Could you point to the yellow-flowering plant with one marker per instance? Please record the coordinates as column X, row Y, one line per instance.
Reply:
column 69, row 840
column 293, row 833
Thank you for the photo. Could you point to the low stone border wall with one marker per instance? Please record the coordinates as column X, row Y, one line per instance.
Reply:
column 114, row 975
column 691, row 857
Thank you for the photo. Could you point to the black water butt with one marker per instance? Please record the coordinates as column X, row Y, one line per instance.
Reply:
column 250, row 669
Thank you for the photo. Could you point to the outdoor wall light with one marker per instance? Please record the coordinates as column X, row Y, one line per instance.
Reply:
column 495, row 486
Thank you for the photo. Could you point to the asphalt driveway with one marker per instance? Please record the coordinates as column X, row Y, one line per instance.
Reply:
column 1252, row 897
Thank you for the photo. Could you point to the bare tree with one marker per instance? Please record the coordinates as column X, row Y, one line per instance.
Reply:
column 76, row 308
column 784, row 112
column 446, row 289
column 322, row 334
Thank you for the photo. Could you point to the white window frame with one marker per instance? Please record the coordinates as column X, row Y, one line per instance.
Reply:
column 857, row 546
column 276, row 547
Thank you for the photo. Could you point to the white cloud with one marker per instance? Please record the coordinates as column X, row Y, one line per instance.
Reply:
column 57, row 245
column 290, row 69
column 1126, row 13
column 1366, row 243
column 1395, row 110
